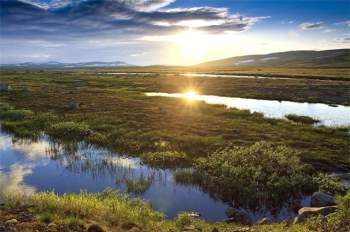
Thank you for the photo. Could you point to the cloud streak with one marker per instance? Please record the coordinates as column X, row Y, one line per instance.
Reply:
column 311, row 26
column 97, row 18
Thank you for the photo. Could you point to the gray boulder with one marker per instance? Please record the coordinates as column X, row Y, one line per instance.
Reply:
column 73, row 105
column 320, row 199
column 306, row 212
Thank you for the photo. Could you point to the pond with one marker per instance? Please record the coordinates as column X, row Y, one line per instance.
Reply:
column 337, row 115
column 27, row 166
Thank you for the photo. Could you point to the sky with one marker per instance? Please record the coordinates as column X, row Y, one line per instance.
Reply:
column 171, row 32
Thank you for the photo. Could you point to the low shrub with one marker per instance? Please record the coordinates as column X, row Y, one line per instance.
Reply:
column 328, row 184
column 16, row 115
column 262, row 174
column 69, row 130
column 165, row 159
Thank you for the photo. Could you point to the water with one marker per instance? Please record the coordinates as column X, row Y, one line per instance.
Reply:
column 27, row 166
column 327, row 115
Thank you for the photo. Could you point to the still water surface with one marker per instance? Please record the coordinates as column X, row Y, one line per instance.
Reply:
column 327, row 115
column 27, row 166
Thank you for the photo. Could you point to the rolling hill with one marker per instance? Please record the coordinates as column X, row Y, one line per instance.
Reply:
column 325, row 58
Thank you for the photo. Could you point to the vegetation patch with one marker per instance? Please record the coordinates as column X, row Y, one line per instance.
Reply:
column 301, row 119
column 139, row 186
column 15, row 115
column 69, row 130
column 165, row 159
column 260, row 175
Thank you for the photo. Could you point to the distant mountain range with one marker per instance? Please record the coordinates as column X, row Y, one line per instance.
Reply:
column 325, row 58
column 59, row 65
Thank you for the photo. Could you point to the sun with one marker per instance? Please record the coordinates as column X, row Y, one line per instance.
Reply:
column 192, row 45
column 191, row 95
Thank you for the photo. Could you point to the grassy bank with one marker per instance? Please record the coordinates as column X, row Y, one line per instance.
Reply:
column 112, row 211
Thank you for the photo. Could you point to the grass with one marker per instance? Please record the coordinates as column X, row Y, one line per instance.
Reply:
column 139, row 186
column 301, row 119
column 165, row 159
column 114, row 211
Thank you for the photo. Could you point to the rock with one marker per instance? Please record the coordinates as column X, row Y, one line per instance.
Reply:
column 215, row 230
column 306, row 212
column 194, row 214
column 264, row 221
column 95, row 228
column 11, row 221
column 320, row 199
column 73, row 105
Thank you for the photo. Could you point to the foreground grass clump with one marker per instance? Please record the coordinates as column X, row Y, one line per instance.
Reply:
column 113, row 211
column 301, row 119
column 71, row 130
column 109, row 208
column 165, row 159
column 262, row 174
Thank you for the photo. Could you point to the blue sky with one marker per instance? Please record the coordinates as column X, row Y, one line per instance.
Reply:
column 179, row 32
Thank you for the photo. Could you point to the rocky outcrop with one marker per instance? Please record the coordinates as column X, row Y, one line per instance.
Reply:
column 306, row 212
column 320, row 199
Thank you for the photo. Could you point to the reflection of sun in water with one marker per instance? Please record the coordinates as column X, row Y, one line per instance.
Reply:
column 191, row 95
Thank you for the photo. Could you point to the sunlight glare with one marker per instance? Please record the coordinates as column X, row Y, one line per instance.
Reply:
column 191, row 95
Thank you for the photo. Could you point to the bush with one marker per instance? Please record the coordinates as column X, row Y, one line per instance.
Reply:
column 69, row 130
column 262, row 174
column 328, row 184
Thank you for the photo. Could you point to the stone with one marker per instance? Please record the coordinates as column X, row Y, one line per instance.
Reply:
column 194, row 214
column 320, row 199
column 95, row 228
column 74, row 105
column 11, row 221
column 264, row 221
column 306, row 212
